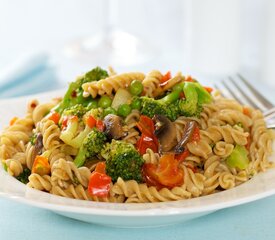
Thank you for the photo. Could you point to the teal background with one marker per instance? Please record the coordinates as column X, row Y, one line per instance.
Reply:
column 250, row 221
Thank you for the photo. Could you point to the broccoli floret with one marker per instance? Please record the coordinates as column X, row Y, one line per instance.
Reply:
column 172, row 111
column 92, row 145
column 24, row 176
column 164, row 106
column 122, row 160
column 95, row 75
column 189, row 105
column 71, row 134
column 150, row 107
column 195, row 97
column 172, row 106
column 77, row 110
column 74, row 94
column 97, row 113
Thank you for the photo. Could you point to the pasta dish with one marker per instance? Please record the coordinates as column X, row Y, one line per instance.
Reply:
column 136, row 138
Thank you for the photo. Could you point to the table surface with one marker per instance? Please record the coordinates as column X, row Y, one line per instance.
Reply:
column 250, row 221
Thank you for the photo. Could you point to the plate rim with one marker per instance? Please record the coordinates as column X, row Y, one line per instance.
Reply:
column 158, row 209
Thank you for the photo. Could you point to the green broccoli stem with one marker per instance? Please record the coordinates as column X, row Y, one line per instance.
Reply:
column 66, row 101
column 238, row 158
column 72, row 97
column 74, row 94
column 203, row 95
column 69, row 94
column 80, row 157
column 190, row 91
column 165, row 106
column 189, row 105
column 90, row 147
column 171, row 97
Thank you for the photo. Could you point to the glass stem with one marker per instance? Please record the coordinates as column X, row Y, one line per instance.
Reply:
column 112, row 15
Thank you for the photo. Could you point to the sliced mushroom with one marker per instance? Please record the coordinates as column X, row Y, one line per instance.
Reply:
column 165, row 132
column 187, row 134
column 38, row 146
column 114, row 129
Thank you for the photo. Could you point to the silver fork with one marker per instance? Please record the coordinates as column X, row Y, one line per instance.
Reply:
column 239, row 88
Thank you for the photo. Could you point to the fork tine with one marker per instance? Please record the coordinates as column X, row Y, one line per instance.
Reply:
column 248, row 99
column 221, row 91
column 270, row 115
column 234, row 94
column 270, row 123
column 259, row 96
column 269, row 112
column 230, row 89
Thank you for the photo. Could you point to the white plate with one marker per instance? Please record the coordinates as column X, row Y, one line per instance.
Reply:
column 126, row 215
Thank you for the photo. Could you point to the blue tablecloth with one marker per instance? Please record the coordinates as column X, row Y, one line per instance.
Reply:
column 250, row 221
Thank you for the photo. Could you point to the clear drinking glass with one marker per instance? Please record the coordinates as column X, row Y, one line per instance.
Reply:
column 111, row 46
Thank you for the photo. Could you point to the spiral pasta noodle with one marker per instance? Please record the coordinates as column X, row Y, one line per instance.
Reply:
column 50, row 132
column 40, row 182
column 41, row 110
column 151, row 82
column 131, row 121
column 226, row 133
column 211, row 174
column 150, row 156
column 223, row 149
column 141, row 193
column 67, row 171
column 15, row 135
column 110, row 84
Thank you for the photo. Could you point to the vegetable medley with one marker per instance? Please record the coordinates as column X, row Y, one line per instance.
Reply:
column 101, row 123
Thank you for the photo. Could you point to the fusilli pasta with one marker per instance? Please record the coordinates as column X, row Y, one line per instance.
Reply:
column 81, row 146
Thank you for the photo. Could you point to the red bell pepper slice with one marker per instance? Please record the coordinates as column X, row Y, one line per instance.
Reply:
column 146, row 125
column 189, row 79
column 64, row 122
column 13, row 120
column 65, row 119
column 166, row 77
column 91, row 121
column 246, row 112
column 100, row 182
column 100, row 125
column 54, row 116
column 167, row 173
column 41, row 165
column 208, row 89
column 196, row 135
column 181, row 157
column 145, row 142
column 147, row 139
